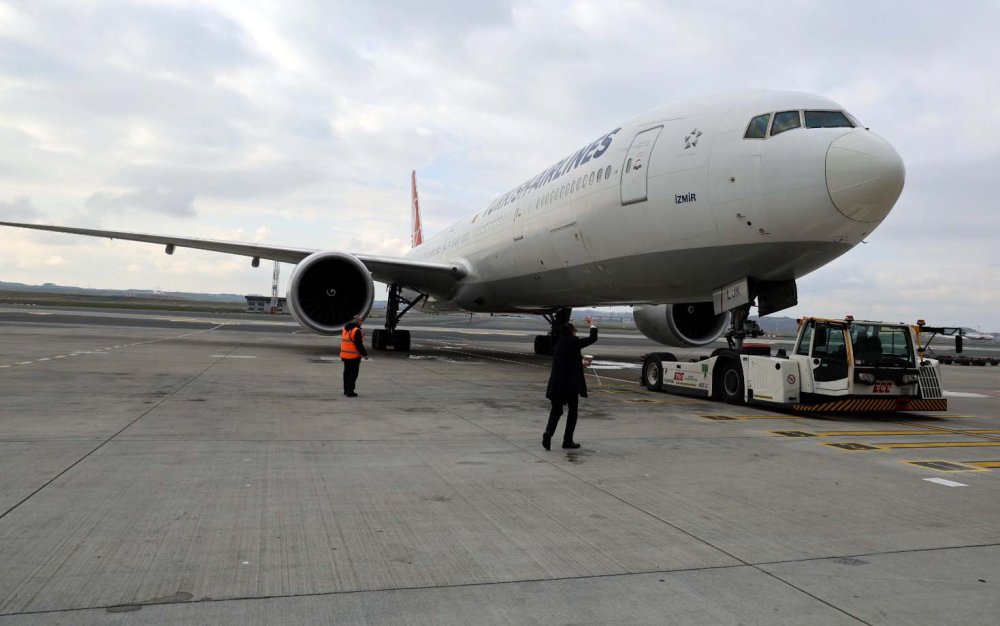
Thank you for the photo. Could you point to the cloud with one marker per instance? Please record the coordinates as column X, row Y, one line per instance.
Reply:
column 19, row 209
column 305, row 118
column 175, row 203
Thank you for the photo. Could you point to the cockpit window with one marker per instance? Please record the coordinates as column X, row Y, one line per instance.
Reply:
column 786, row 120
column 827, row 119
column 758, row 127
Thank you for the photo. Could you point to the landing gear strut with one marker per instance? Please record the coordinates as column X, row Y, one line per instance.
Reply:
column 737, row 329
column 389, row 336
column 545, row 344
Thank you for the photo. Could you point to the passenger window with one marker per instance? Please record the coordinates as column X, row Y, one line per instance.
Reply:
column 592, row 178
column 786, row 120
column 583, row 182
column 599, row 172
column 758, row 127
column 607, row 172
column 804, row 344
column 830, row 343
column 827, row 119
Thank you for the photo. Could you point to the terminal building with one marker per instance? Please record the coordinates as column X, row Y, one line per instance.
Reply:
column 262, row 304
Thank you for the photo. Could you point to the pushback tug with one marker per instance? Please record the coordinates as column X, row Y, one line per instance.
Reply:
column 836, row 365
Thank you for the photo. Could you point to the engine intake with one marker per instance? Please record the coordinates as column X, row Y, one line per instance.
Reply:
column 681, row 325
column 328, row 289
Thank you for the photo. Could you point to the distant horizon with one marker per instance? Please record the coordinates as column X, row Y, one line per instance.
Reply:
column 768, row 323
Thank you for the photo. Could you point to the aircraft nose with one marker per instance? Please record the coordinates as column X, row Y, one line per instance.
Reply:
column 864, row 175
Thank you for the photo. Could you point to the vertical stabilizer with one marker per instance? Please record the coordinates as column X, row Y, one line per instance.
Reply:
column 417, row 234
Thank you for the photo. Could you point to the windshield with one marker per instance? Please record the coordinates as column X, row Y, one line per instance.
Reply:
column 827, row 119
column 885, row 346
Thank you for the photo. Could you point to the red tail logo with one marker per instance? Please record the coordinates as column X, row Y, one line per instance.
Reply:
column 417, row 233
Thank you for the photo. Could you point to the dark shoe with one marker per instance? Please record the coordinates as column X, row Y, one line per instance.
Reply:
column 547, row 441
column 569, row 445
column 351, row 395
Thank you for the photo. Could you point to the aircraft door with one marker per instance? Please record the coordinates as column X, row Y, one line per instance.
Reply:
column 637, row 165
column 829, row 357
column 519, row 215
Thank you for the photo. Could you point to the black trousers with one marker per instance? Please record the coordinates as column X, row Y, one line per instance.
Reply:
column 572, row 403
column 352, row 367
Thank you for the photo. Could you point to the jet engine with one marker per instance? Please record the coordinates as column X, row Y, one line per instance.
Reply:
column 328, row 289
column 681, row 325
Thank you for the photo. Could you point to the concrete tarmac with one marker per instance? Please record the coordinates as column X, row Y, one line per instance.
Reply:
column 178, row 469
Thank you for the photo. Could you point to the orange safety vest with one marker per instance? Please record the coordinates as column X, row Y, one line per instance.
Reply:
column 347, row 348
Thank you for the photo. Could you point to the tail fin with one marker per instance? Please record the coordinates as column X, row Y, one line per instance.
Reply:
column 417, row 233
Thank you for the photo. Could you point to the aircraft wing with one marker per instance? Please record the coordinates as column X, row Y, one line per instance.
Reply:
column 434, row 278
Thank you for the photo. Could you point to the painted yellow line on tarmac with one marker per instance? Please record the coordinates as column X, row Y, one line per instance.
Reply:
column 947, row 467
column 767, row 417
column 938, row 444
column 890, row 433
column 985, row 464
column 731, row 418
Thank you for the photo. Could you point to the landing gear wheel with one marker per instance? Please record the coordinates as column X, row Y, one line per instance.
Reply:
column 380, row 339
column 401, row 340
column 543, row 345
column 731, row 382
column 652, row 373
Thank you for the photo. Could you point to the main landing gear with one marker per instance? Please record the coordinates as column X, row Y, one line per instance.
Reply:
column 737, row 330
column 545, row 344
column 382, row 339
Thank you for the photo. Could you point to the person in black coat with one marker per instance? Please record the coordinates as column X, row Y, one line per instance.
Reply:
column 566, row 382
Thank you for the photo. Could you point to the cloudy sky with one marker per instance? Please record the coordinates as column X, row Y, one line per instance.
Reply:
column 297, row 123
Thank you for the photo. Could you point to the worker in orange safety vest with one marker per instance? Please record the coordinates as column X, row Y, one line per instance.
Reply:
column 352, row 348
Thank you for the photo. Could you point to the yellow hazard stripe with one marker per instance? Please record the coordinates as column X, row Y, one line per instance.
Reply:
column 876, row 404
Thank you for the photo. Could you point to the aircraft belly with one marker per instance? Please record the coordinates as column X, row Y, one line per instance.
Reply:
column 679, row 275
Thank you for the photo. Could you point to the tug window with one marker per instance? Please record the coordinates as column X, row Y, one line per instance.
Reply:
column 786, row 120
column 827, row 119
column 758, row 127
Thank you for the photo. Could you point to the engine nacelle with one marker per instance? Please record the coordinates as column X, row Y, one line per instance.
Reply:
column 328, row 289
column 681, row 325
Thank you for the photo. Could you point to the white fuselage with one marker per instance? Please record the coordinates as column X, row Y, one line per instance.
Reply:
column 704, row 207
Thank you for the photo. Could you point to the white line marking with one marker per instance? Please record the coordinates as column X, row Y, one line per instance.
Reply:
column 614, row 365
column 232, row 356
column 946, row 483
column 963, row 394
column 24, row 363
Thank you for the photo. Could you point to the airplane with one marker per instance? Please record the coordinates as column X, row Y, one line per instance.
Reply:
column 691, row 212
column 975, row 335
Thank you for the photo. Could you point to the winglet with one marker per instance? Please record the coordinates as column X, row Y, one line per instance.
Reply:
column 417, row 234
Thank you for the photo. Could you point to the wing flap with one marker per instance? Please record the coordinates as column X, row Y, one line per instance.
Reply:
column 438, row 279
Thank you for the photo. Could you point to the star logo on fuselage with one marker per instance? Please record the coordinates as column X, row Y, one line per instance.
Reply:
column 692, row 139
